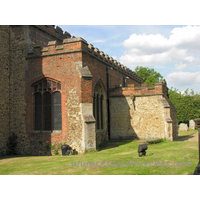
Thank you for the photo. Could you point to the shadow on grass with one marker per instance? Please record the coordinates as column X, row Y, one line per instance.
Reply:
column 113, row 144
column 185, row 137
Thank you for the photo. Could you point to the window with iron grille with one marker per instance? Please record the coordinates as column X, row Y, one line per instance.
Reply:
column 47, row 105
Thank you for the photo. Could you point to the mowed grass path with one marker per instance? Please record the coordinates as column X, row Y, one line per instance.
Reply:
column 116, row 152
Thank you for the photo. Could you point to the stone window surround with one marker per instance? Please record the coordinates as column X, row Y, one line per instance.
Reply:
column 99, row 100
column 52, row 89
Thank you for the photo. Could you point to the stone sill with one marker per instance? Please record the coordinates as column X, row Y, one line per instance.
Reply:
column 46, row 132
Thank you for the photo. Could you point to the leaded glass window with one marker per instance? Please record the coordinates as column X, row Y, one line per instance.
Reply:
column 97, row 118
column 101, row 110
column 38, row 111
column 47, row 105
column 47, row 111
column 57, row 117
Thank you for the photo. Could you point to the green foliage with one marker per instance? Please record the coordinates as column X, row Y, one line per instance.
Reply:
column 55, row 147
column 149, row 76
column 11, row 144
column 187, row 105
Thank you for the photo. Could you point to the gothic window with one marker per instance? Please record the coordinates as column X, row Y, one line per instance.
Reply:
column 97, row 116
column 101, row 110
column 94, row 106
column 99, row 105
column 47, row 105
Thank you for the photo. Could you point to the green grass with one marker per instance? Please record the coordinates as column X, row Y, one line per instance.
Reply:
column 187, row 133
column 114, row 152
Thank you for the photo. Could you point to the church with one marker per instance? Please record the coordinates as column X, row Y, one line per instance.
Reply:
column 59, row 89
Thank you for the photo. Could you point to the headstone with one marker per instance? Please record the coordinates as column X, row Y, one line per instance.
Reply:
column 183, row 127
column 192, row 124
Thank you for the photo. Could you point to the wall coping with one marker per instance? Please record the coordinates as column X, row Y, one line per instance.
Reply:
column 82, row 46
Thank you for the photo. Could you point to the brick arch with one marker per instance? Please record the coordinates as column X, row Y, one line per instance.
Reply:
column 40, row 78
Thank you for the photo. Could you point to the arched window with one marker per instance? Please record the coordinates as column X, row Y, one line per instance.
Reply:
column 99, row 105
column 94, row 106
column 101, row 110
column 97, row 116
column 47, row 105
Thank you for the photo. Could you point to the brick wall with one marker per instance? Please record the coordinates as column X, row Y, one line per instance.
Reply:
column 77, row 67
column 22, row 38
column 138, row 90
column 65, row 69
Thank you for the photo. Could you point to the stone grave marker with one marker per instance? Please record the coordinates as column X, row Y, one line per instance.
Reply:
column 192, row 124
column 183, row 127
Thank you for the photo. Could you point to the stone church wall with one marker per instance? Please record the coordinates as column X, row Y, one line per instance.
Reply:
column 31, row 53
column 142, row 113
column 74, row 60
column 4, row 88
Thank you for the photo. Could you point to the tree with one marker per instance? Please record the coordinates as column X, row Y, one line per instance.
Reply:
column 149, row 76
column 187, row 104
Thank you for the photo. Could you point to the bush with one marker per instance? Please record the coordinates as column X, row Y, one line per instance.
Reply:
column 55, row 147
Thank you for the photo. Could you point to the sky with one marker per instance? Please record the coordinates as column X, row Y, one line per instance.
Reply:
column 135, row 33
column 172, row 50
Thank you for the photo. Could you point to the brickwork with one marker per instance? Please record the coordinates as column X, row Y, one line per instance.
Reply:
column 32, row 53
column 16, row 41
column 61, row 68
column 139, row 91
column 75, row 60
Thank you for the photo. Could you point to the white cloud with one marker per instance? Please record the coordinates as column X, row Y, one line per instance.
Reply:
column 181, row 48
column 183, row 79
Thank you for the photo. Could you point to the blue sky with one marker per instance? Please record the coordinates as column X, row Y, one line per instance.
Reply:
column 174, row 51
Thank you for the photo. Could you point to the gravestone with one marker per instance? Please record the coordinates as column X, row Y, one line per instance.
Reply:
column 183, row 127
column 192, row 124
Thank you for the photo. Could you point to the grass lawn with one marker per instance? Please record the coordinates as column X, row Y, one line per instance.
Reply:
column 114, row 157
column 186, row 133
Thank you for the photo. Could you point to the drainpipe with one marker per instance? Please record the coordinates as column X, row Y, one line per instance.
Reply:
column 108, row 102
